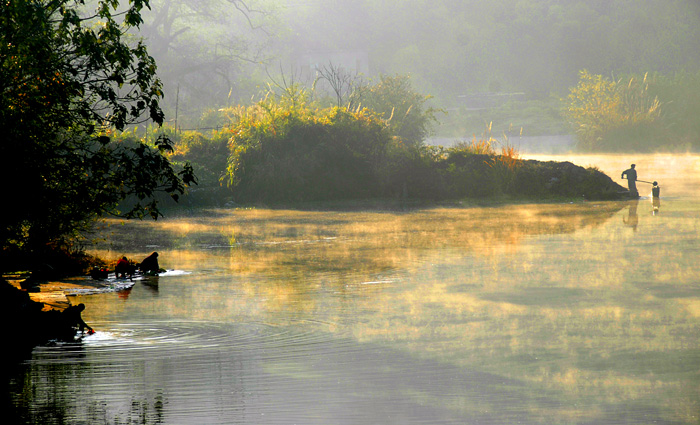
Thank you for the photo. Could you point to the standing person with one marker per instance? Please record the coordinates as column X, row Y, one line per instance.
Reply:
column 655, row 190
column 655, row 201
column 631, row 174
column 150, row 264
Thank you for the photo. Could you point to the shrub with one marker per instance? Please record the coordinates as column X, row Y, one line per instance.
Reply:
column 407, row 112
column 289, row 152
column 612, row 115
column 208, row 156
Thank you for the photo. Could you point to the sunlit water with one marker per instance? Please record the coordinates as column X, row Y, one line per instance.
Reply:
column 583, row 313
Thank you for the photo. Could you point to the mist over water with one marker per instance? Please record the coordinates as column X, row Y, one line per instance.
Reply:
column 536, row 314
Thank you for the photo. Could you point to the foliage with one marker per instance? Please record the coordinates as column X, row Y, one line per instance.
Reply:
column 407, row 112
column 208, row 156
column 282, row 150
column 66, row 75
column 410, row 171
column 679, row 95
column 603, row 111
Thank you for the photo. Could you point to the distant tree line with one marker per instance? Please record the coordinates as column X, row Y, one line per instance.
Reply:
column 213, row 49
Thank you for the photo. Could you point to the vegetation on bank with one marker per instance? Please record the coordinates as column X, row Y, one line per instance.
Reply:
column 288, row 149
column 30, row 325
column 635, row 113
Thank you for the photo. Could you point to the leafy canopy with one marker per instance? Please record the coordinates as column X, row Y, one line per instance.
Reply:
column 70, row 73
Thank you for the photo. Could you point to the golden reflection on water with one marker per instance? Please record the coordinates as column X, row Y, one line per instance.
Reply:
column 596, row 302
column 374, row 241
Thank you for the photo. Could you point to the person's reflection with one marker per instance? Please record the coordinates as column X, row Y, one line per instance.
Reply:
column 124, row 294
column 632, row 219
column 655, row 205
column 151, row 282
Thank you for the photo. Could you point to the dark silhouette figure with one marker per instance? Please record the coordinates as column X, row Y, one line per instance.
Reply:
column 150, row 264
column 99, row 273
column 72, row 317
column 124, row 268
column 631, row 174
column 655, row 201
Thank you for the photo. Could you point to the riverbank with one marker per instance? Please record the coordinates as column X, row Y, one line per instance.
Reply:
column 34, row 308
column 476, row 179
column 34, row 317
column 52, row 295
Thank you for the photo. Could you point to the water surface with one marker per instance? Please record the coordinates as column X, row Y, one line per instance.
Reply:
column 582, row 313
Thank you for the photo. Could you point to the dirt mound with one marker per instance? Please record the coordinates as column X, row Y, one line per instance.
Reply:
column 545, row 179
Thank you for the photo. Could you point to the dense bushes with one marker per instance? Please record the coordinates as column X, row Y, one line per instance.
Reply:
column 286, row 151
column 283, row 152
column 407, row 113
column 635, row 113
column 286, row 148
column 209, row 155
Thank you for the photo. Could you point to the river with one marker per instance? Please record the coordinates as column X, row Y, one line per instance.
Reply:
column 556, row 313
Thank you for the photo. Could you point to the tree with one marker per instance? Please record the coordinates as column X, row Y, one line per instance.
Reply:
column 68, row 78
column 207, row 50
column 347, row 88
column 394, row 99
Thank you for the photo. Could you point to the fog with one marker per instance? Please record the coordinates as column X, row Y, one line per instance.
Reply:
column 217, row 53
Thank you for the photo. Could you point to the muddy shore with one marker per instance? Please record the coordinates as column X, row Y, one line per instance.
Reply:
column 35, row 313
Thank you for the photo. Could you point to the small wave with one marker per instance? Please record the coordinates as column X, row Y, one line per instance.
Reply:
column 168, row 273
column 376, row 282
column 112, row 284
column 115, row 286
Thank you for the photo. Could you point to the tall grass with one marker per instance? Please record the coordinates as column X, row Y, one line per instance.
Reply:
column 622, row 114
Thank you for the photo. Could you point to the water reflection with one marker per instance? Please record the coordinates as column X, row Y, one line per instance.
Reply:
column 549, row 314
column 632, row 220
column 258, row 373
column 655, row 205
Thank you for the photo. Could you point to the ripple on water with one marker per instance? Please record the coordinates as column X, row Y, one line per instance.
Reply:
column 181, row 338
column 180, row 372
